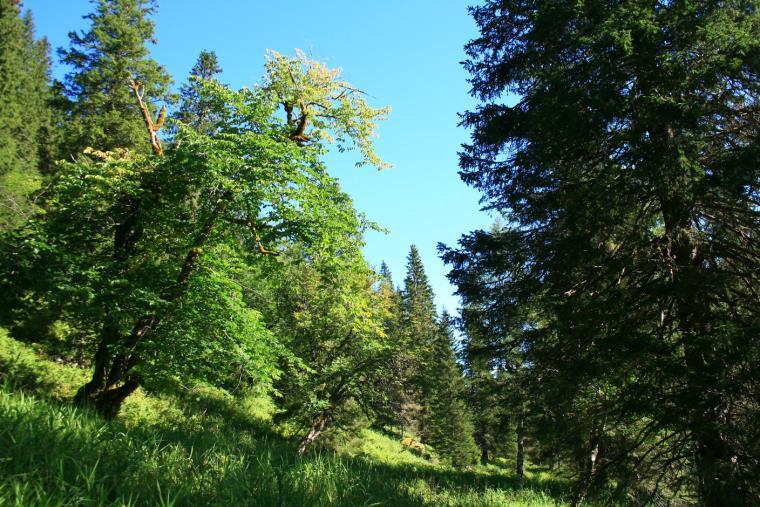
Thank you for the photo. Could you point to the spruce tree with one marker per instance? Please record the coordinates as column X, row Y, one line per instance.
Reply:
column 447, row 422
column 629, row 168
column 196, row 110
column 12, row 53
column 24, row 69
column 103, row 112
column 484, row 393
column 419, row 323
column 389, row 383
column 25, row 118
column 386, row 277
column 418, row 296
column 431, row 383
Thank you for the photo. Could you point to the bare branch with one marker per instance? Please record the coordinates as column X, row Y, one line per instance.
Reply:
column 153, row 128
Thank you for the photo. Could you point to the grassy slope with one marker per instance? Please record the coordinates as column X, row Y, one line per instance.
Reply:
column 201, row 446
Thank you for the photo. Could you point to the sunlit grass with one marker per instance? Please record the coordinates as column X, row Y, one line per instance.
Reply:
column 202, row 446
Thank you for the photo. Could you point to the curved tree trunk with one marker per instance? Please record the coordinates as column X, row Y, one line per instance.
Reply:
column 316, row 429
column 112, row 379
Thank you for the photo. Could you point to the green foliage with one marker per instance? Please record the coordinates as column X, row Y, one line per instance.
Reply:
column 422, row 385
column 212, row 327
column 487, row 386
column 331, row 318
column 148, row 253
column 16, row 197
column 446, row 418
column 24, row 68
column 22, row 368
column 25, row 118
column 389, row 383
column 196, row 109
column 415, row 334
column 322, row 107
column 102, row 111
column 627, row 169
column 383, row 447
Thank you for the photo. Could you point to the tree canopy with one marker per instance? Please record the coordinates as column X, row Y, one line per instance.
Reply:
column 101, row 111
column 607, row 331
column 627, row 172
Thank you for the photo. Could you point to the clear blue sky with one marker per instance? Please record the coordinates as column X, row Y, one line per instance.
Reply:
column 404, row 54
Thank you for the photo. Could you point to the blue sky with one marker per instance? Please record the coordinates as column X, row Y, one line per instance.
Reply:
column 404, row 54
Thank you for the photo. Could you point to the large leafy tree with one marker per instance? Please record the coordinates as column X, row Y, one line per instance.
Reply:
column 628, row 166
column 319, row 106
column 148, row 250
column 101, row 110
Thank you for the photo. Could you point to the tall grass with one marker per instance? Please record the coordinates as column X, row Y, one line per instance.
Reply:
column 203, row 447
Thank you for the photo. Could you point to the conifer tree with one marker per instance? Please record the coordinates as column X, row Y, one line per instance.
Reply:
column 196, row 110
column 431, row 385
column 25, row 118
column 12, row 53
column 447, row 423
column 389, row 385
column 102, row 110
column 418, row 320
column 629, row 169
column 483, row 393
column 419, row 305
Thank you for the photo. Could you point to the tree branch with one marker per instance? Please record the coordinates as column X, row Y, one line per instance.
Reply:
column 153, row 128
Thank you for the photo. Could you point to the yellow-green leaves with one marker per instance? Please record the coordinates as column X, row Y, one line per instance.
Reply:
column 320, row 107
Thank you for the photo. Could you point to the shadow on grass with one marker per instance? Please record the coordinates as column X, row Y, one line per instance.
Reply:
column 21, row 374
column 199, row 446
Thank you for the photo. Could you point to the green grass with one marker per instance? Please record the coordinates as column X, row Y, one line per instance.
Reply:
column 202, row 446
column 379, row 447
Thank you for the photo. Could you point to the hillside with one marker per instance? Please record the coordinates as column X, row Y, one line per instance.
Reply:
column 539, row 287
column 203, row 446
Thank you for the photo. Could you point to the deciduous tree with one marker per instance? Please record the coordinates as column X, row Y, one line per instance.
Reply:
column 136, row 245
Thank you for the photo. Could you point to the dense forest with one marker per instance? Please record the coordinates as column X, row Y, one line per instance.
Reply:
column 187, row 316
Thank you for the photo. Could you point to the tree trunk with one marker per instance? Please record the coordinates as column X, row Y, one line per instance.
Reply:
column 108, row 402
column 589, row 469
column 719, row 483
column 317, row 426
column 717, row 470
column 109, row 337
column 484, row 454
column 520, row 458
column 101, row 392
column 719, row 480
column 105, row 391
column 482, row 442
